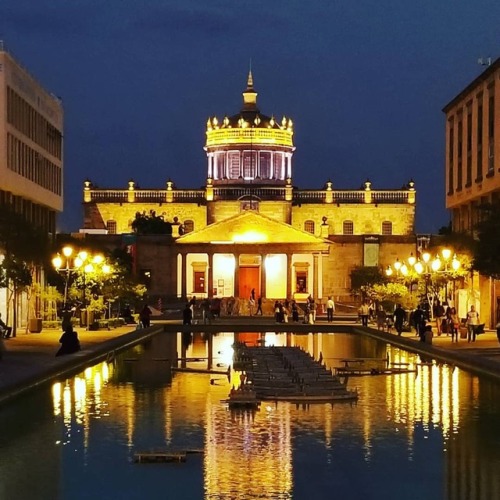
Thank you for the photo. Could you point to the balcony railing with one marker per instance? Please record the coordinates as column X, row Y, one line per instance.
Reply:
column 346, row 196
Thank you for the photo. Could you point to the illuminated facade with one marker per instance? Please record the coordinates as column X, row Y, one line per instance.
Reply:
column 250, row 227
column 471, row 165
column 31, row 151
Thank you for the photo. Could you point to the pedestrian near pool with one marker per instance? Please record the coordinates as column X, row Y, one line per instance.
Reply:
column 145, row 316
column 399, row 318
column 439, row 315
column 251, row 304
column 259, row 306
column 330, row 309
column 381, row 318
column 364, row 313
column 69, row 342
column 472, row 322
column 187, row 315
column 5, row 331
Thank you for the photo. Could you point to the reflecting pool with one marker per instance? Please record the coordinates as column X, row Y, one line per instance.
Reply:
column 432, row 434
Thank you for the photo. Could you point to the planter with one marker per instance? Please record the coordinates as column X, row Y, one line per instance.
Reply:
column 35, row 325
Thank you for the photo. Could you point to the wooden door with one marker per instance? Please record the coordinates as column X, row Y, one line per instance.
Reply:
column 249, row 278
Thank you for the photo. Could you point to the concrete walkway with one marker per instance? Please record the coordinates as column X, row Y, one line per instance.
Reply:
column 29, row 359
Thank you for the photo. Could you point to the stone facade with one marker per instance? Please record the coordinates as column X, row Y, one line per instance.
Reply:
column 250, row 227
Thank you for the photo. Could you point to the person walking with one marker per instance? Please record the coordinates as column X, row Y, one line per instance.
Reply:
column 399, row 318
column 452, row 319
column 364, row 313
column 251, row 304
column 472, row 322
column 330, row 309
column 438, row 315
column 259, row 306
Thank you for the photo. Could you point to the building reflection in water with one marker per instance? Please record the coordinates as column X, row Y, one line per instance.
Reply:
column 251, row 447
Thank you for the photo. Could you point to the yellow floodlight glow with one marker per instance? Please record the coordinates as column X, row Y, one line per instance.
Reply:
column 249, row 237
column 412, row 260
column 98, row 259
column 426, row 257
column 404, row 269
column 389, row 271
column 436, row 264
column 419, row 268
column 397, row 265
column 67, row 251
column 446, row 253
column 57, row 262
column 455, row 263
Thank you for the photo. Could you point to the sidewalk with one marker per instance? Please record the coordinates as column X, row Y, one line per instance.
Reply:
column 30, row 361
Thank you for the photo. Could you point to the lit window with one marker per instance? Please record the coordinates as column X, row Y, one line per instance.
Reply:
column 111, row 226
column 309, row 226
column 348, row 227
column 387, row 228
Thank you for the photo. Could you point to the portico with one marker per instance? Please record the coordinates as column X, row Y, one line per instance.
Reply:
column 250, row 251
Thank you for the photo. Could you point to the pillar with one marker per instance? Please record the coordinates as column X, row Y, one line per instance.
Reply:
column 263, row 276
column 210, row 277
column 315, row 275
column 183, row 276
column 236, row 274
column 288, row 275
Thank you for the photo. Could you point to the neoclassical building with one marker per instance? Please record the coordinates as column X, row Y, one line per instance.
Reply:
column 249, row 227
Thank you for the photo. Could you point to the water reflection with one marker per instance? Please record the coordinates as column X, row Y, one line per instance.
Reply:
column 434, row 432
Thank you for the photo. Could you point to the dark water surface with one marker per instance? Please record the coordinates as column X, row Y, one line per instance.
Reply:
column 434, row 434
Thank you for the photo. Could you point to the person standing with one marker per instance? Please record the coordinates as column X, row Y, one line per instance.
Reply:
column 472, row 322
column 381, row 317
column 419, row 321
column 399, row 318
column 330, row 309
column 364, row 313
column 187, row 315
column 251, row 304
column 145, row 316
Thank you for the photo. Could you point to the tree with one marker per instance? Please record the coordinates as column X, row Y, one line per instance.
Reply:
column 151, row 224
column 487, row 249
column 363, row 278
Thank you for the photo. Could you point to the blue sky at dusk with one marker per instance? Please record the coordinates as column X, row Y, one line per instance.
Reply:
column 364, row 82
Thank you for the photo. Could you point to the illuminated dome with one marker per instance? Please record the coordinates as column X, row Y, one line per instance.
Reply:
column 249, row 146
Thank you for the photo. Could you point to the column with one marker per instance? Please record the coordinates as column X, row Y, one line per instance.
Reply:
column 315, row 275
column 263, row 276
column 210, row 276
column 183, row 277
column 289, row 276
column 236, row 274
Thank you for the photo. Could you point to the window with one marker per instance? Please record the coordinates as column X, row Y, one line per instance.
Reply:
column 199, row 281
column 309, row 226
column 234, row 164
column 451, row 146
column 111, row 226
column 348, row 227
column 145, row 277
column 188, row 226
column 265, row 165
column 459, row 151
column 278, row 166
column 301, row 281
column 387, row 228
column 249, row 164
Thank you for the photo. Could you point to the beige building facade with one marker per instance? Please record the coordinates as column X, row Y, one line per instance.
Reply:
column 472, row 167
column 250, row 227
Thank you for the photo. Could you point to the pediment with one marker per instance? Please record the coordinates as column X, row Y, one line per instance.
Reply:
column 249, row 227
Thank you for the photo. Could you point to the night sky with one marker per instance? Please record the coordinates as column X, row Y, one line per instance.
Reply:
column 364, row 82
